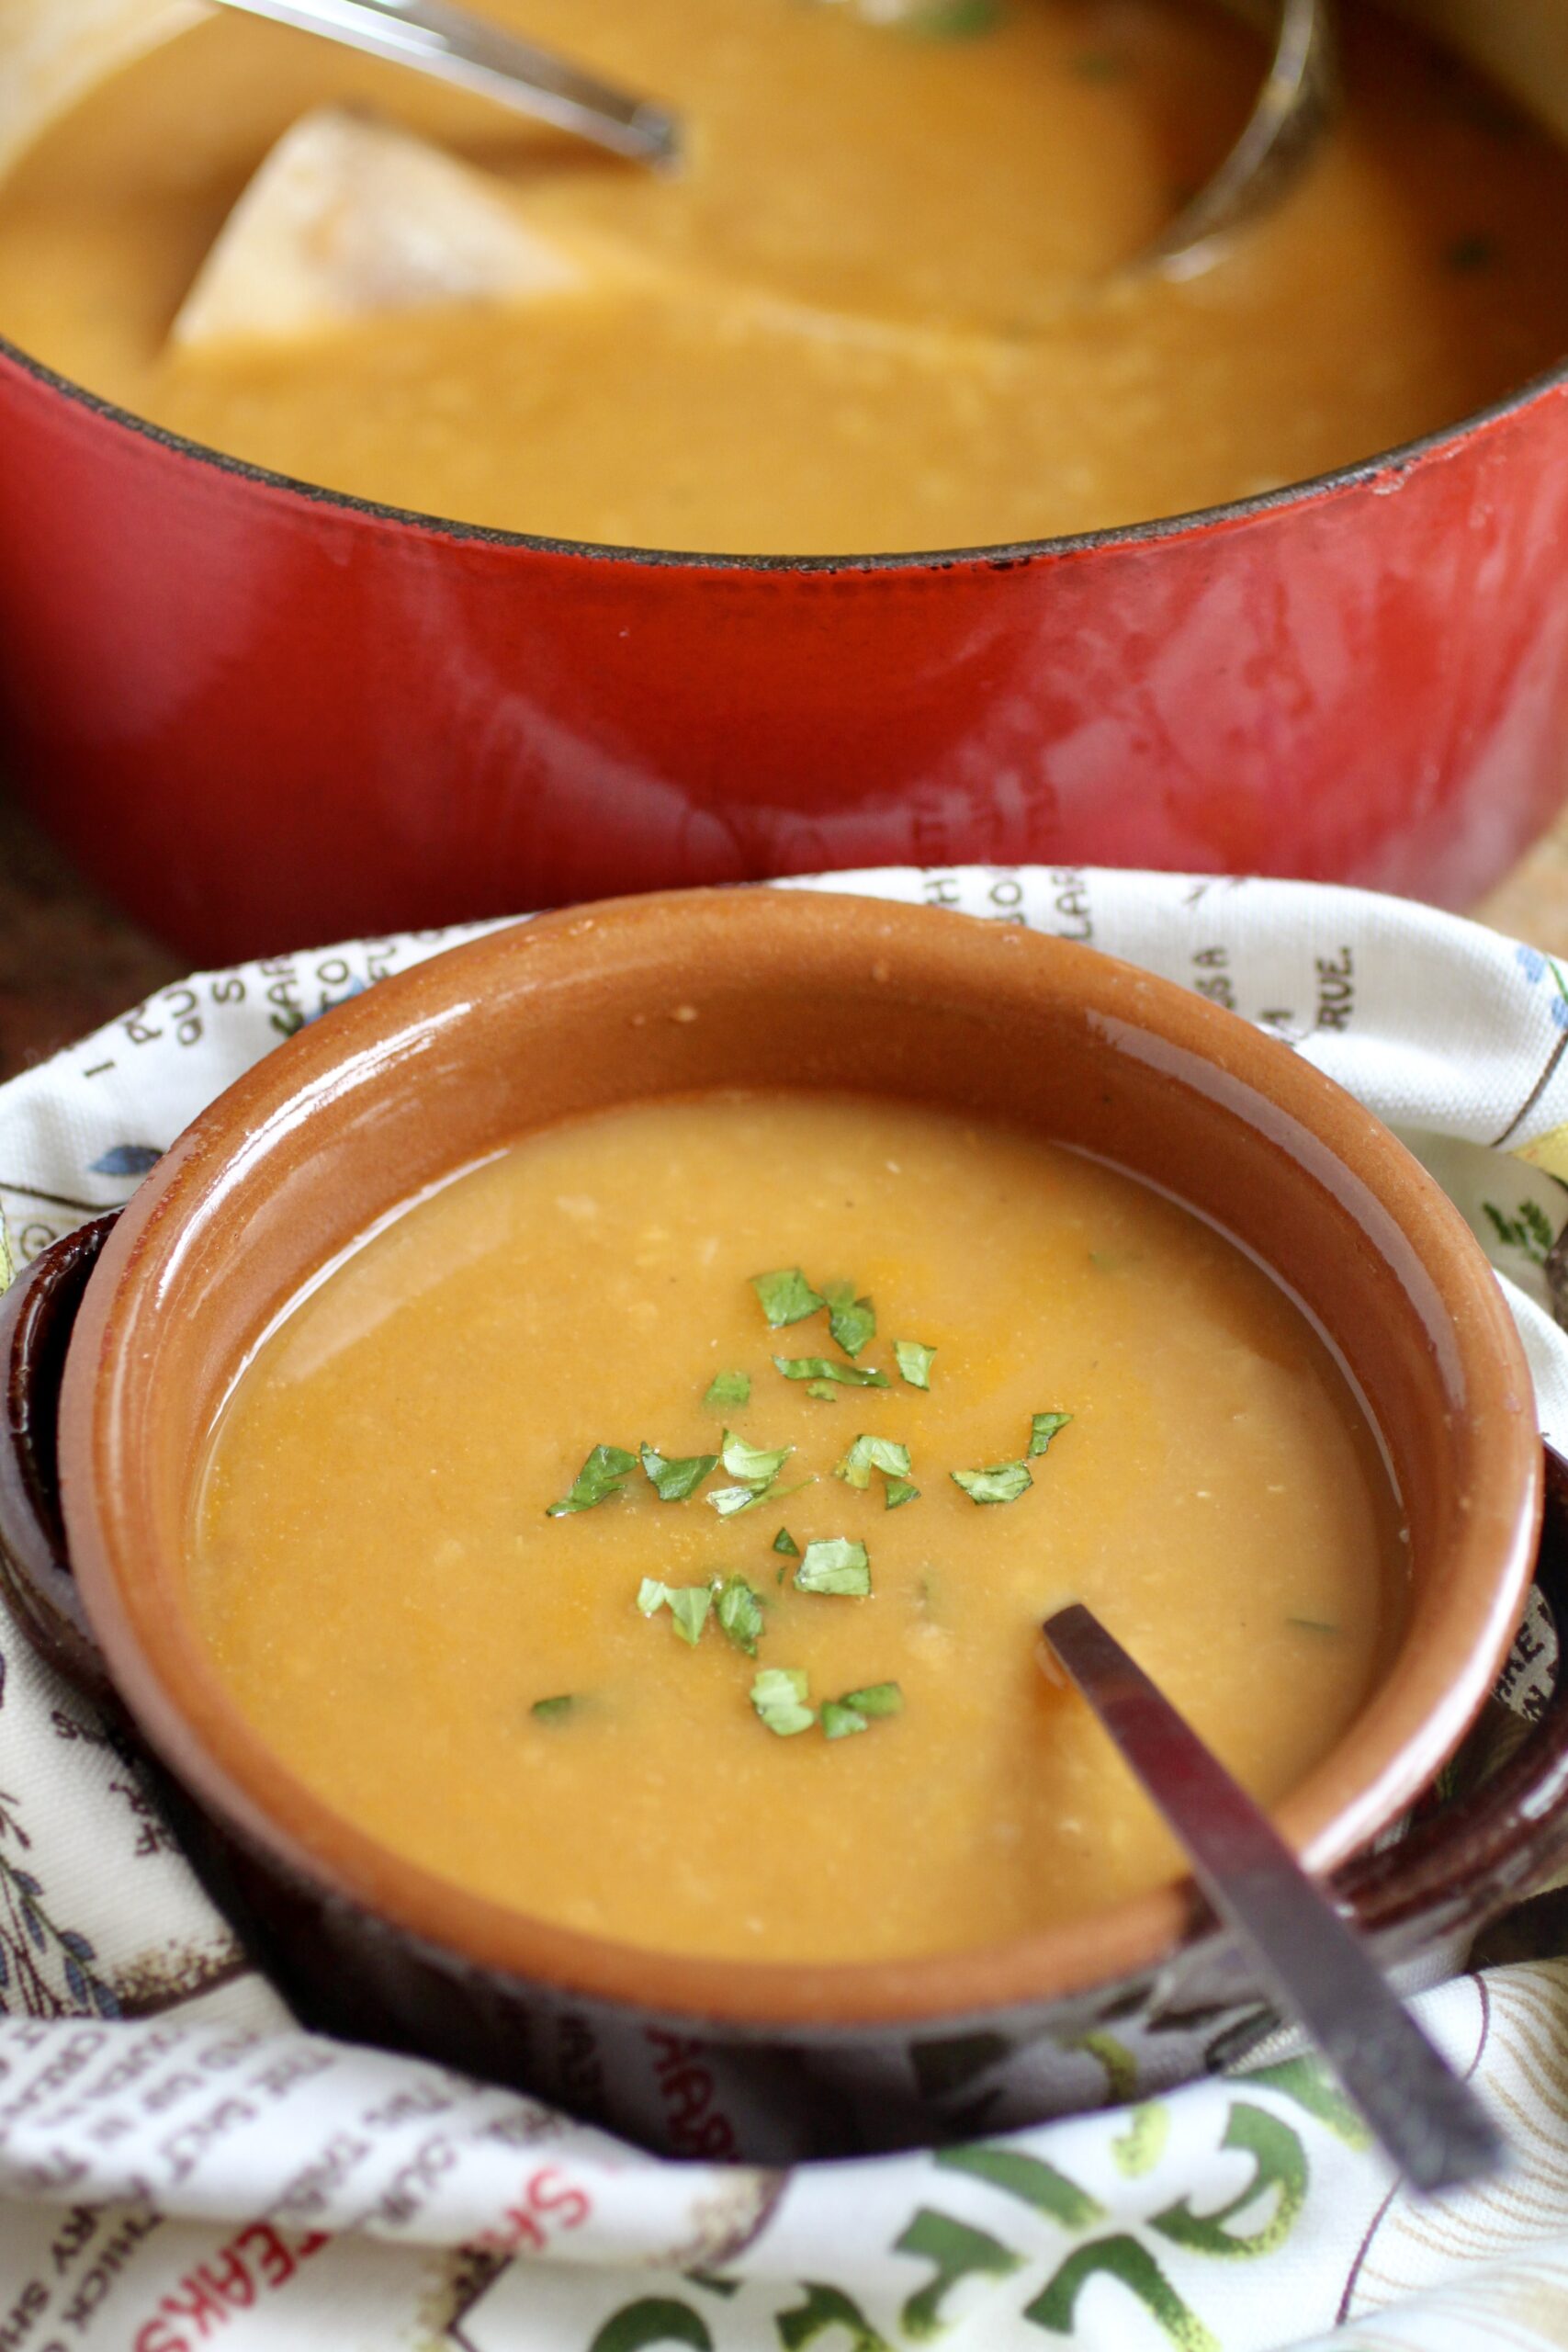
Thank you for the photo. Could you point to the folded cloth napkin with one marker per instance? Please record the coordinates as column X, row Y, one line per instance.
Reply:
column 180, row 2166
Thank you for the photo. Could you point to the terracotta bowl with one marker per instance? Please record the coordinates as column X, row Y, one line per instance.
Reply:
column 641, row 997
column 262, row 715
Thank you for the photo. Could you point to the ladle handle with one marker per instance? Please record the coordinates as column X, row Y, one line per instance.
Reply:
column 1429, row 2123
column 451, row 45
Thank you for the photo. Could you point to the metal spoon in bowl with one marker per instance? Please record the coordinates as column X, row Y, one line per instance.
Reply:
column 1429, row 2123
column 448, row 43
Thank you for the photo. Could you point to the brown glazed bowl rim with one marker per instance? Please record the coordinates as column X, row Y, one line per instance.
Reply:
column 1423, row 1708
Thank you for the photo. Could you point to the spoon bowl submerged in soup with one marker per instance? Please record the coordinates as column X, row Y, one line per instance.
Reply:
column 885, row 306
column 672, row 1502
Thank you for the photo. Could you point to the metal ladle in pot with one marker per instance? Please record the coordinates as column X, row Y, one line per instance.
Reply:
column 1297, row 103
column 450, row 45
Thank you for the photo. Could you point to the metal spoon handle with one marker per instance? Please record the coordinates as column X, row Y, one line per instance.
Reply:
column 1431, row 2124
column 437, row 39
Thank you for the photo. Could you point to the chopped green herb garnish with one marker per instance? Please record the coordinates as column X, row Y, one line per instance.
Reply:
column 914, row 1363
column 851, row 1320
column 1312, row 1625
column 823, row 1390
column 759, row 1466
column 876, row 1699
column 687, row 1603
column 740, row 1613
column 779, row 1696
column 857, row 1710
column 730, row 1501
column 602, row 1476
column 822, row 1368
column 784, row 1542
column 1003, row 1482
column 869, row 1454
column 836, row 1565
column 673, row 1481
column 787, row 1297
column 727, row 1388
column 883, row 1453
column 1043, row 1429
column 555, row 1711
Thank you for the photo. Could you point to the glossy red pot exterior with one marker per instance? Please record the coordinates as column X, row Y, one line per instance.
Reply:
column 261, row 716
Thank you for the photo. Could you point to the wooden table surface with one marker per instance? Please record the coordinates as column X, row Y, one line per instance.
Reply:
column 68, row 961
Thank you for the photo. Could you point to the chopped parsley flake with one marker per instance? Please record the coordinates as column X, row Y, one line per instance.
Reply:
column 868, row 1454
column 687, row 1603
column 730, row 1501
column 787, row 1297
column 857, row 1710
column 673, row 1481
column 758, row 1465
column 876, row 1699
column 1312, row 1625
column 1003, row 1482
column 823, row 1390
column 822, row 1368
column 555, row 1711
column 740, row 1613
column 1043, row 1429
column 784, row 1542
column 779, row 1696
column 851, row 1320
column 836, row 1565
column 883, row 1453
column 602, row 1476
column 727, row 1388
column 914, row 1363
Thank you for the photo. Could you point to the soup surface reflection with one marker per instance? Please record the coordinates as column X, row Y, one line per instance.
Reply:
column 879, row 310
column 770, row 1690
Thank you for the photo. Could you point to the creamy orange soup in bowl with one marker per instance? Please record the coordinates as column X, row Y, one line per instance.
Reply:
column 566, row 1463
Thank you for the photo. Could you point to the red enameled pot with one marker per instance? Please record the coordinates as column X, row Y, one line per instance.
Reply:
column 261, row 715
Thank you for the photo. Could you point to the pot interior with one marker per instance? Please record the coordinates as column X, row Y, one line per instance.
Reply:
column 51, row 50
column 439, row 1070
column 866, row 455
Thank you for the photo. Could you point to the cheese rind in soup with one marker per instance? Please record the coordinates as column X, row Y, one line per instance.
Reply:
column 881, row 307
column 770, row 1686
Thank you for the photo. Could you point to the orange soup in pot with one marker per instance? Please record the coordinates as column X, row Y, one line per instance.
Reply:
column 884, row 305
column 650, row 1529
